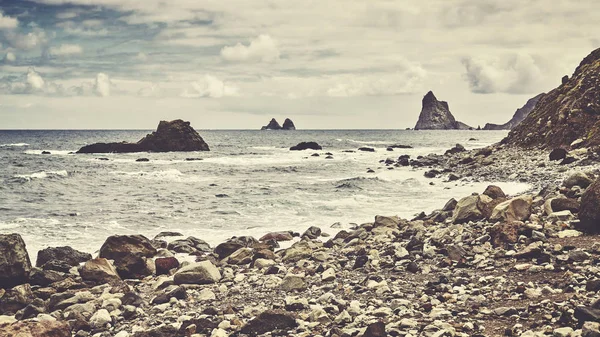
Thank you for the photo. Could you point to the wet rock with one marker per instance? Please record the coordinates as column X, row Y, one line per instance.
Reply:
column 164, row 265
column 306, row 146
column 99, row 270
column 62, row 255
column 130, row 253
column 366, row 149
column 44, row 278
column 15, row 265
column 270, row 321
column 312, row 233
column 241, row 256
column 36, row 329
column 198, row 273
column 191, row 245
column 456, row 149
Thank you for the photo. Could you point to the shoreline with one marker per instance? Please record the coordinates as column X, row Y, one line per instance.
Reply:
column 440, row 274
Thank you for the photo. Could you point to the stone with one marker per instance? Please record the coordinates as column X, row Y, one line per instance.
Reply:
column 293, row 283
column 456, row 149
column 99, row 270
column 277, row 236
column 494, row 192
column 197, row 273
column 298, row 251
column 191, row 245
column 312, row 232
column 558, row 154
column 578, row 179
column 589, row 210
column 562, row 332
column 270, row 321
column 564, row 204
column 504, row 234
column 43, row 328
column 16, row 299
column 328, row 275
column 164, row 265
column 376, row 329
column 15, row 265
column 306, row 146
column 129, row 253
column 176, row 135
column 470, row 208
column 66, row 255
column 590, row 329
column 100, row 319
column 241, row 256
column 436, row 115
column 515, row 209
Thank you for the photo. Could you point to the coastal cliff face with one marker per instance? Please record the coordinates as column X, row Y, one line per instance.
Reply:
column 436, row 115
column 175, row 135
column 568, row 116
column 518, row 117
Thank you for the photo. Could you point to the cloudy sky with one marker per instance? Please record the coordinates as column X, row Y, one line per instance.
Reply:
column 234, row 64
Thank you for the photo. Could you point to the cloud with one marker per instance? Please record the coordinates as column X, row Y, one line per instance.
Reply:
column 31, row 82
column 9, row 58
column 102, row 85
column 66, row 15
column 513, row 74
column 65, row 50
column 28, row 41
column 209, row 86
column 7, row 22
column 261, row 49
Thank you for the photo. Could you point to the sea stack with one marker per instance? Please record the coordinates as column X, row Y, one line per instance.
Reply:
column 436, row 115
column 273, row 125
column 568, row 116
column 288, row 124
column 518, row 117
column 173, row 136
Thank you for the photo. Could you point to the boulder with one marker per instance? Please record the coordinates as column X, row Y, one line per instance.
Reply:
column 504, row 234
column 456, row 149
column 241, row 256
column 197, row 273
column 269, row 321
column 515, row 209
column 191, row 245
column 436, row 115
column 564, row 204
column 288, row 125
column 578, row 179
column 278, row 236
column 130, row 253
column 63, row 255
column 376, row 329
column 44, row 328
column 298, row 251
column 164, row 265
column 175, row 135
column 312, row 233
column 293, row 283
column 306, row 146
column 16, row 299
column 589, row 209
column 99, row 270
column 494, row 192
column 15, row 265
column 470, row 208
column 273, row 125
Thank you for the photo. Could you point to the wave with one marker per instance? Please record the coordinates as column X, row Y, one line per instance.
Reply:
column 14, row 145
column 373, row 142
column 163, row 175
column 40, row 175
column 54, row 152
column 357, row 183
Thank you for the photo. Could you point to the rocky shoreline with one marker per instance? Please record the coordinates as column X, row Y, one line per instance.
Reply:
column 485, row 265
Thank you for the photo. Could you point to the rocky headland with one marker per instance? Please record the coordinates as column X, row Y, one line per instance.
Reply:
column 176, row 135
column 274, row 125
column 436, row 115
column 518, row 117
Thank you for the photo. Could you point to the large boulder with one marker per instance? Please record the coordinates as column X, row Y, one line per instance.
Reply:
column 306, row 146
column 436, row 115
column 60, row 256
column 494, row 192
column 589, row 209
column 269, row 321
column 578, row 179
column 15, row 265
column 36, row 329
column 16, row 299
column 175, row 135
column 515, row 209
column 191, row 245
column 130, row 253
column 470, row 208
column 99, row 270
column 198, row 273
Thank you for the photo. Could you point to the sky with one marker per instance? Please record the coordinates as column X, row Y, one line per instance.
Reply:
column 326, row 64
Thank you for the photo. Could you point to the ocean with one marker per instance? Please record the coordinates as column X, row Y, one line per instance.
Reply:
column 248, row 184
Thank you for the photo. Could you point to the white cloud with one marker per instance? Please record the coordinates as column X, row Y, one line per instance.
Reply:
column 65, row 50
column 7, row 22
column 31, row 40
column 66, row 15
column 515, row 74
column 34, row 80
column 209, row 86
column 102, row 85
column 261, row 49
column 10, row 57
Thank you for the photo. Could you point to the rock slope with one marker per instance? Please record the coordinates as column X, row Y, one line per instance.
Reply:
column 568, row 116
column 170, row 136
column 518, row 117
column 436, row 115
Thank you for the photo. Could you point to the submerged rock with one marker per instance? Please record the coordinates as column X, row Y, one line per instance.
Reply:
column 436, row 115
column 306, row 146
column 15, row 265
column 170, row 136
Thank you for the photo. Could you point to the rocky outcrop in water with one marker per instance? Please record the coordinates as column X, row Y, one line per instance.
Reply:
column 568, row 116
column 274, row 125
column 173, row 136
column 518, row 117
column 436, row 115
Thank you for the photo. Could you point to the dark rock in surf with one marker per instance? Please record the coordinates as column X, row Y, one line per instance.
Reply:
column 170, row 136
column 14, row 261
column 366, row 149
column 306, row 146
column 52, row 256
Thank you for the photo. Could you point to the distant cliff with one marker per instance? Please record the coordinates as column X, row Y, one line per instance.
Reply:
column 436, row 115
column 568, row 116
column 518, row 117
column 274, row 125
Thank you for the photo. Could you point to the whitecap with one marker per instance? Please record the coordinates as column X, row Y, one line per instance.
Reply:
column 42, row 175
column 14, row 145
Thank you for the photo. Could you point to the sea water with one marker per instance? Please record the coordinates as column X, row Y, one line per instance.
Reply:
column 248, row 184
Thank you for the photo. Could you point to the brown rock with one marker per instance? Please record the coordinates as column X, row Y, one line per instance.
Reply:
column 277, row 236
column 376, row 329
column 99, row 270
column 165, row 264
column 15, row 265
column 589, row 210
column 16, row 299
column 35, row 329
column 494, row 192
column 269, row 321
column 505, row 233
column 129, row 253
